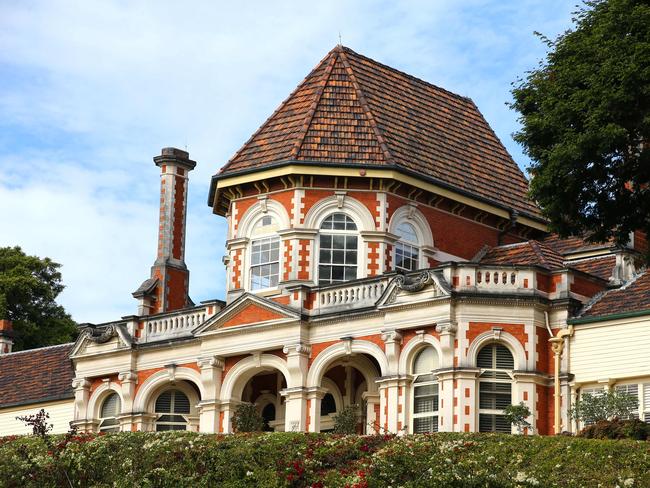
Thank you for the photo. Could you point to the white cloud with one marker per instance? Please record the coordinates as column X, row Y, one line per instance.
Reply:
column 90, row 91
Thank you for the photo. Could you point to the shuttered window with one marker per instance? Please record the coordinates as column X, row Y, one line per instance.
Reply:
column 109, row 412
column 172, row 406
column 425, row 392
column 495, row 387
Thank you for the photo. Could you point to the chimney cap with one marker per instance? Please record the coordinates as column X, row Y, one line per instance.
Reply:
column 172, row 155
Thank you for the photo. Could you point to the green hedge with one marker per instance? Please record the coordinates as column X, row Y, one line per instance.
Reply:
column 178, row 459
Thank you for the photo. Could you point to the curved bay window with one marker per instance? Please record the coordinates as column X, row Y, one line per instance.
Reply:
column 425, row 392
column 172, row 408
column 495, row 387
column 108, row 414
column 338, row 250
column 265, row 255
column 407, row 252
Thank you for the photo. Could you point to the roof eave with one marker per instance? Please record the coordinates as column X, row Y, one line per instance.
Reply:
column 395, row 167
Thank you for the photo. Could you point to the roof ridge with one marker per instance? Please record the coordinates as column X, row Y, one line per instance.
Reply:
column 534, row 244
column 381, row 139
column 309, row 118
column 404, row 73
column 599, row 296
column 276, row 111
column 15, row 353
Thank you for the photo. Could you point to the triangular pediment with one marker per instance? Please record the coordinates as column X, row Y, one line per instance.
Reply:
column 101, row 339
column 248, row 310
column 408, row 289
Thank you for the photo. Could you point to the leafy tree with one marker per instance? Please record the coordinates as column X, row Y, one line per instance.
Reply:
column 605, row 406
column 517, row 415
column 29, row 286
column 345, row 422
column 247, row 419
column 585, row 115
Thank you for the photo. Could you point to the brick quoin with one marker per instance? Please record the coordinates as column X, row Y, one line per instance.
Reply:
column 287, row 260
column 373, row 258
column 179, row 217
column 303, row 259
column 236, row 269
column 242, row 206
column 251, row 314
column 516, row 330
column 310, row 198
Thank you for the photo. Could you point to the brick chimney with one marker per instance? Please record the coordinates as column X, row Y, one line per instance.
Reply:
column 6, row 336
column 167, row 288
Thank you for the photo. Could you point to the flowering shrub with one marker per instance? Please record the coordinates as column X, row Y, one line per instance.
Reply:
column 184, row 459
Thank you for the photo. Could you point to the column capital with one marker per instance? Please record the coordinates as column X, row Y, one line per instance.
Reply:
column 446, row 327
column 391, row 336
column 80, row 384
column 210, row 362
column 127, row 377
column 296, row 349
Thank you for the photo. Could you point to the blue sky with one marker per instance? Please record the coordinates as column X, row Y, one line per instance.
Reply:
column 90, row 91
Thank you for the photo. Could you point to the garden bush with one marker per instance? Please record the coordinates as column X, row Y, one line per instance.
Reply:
column 183, row 459
column 617, row 429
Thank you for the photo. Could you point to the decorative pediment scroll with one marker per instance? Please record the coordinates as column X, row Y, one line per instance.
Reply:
column 100, row 335
column 430, row 281
column 101, row 338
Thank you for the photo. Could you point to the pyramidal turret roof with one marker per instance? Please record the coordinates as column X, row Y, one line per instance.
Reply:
column 352, row 110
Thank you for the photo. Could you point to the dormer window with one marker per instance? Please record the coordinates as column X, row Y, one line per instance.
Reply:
column 338, row 250
column 407, row 252
column 265, row 255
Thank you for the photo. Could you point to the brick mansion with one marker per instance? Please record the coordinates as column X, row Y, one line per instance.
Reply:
column 381, row 252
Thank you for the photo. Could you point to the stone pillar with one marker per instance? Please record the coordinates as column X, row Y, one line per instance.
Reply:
column 447, row 417
column 524, row 390
column 467, row 399
column 82, row 419
column 388, row 403
column 447, row 331
column 235, row 285
column 295, row 412
column 373, row 411
column 299, row 272
column 225, row 416
column 128, row 380
column 145, row 422
column 314, row 397
column 211, row 373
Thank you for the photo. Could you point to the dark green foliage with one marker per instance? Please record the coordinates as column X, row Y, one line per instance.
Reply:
column 38, row 422
column 605, row 406
column 247, row 419
column 617, row 429
column 585, row 114
column 184, row 459
column 28, row 289
column 517, row 415
column 345, row 421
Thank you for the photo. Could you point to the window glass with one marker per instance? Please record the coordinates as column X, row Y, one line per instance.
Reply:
column 265, row 263
column 495, row 387
column 170, row 407
column 328, row 405
column 407, row 252
column 425, row 391
column 338, row 250
column 109, row 412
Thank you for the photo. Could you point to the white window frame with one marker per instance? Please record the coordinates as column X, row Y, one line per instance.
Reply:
column 333, row 232
column 404, row 244
column 420, row 380
column 500, row 376
column 260, row 234
column 105, row 422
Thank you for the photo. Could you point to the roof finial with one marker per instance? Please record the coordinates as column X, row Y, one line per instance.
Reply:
column 340, row 42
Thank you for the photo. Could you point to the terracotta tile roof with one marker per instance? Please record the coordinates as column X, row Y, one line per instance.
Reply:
column 355, row 111
column 571, row 244
column 602, row 266
column 36, row 375
column 632, row 297
column 524, row 254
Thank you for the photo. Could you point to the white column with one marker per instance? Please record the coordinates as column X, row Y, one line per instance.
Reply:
column 211, row 373
column 314, row 398
column 446, row 401
column 467, row 394
column 388, row 403
column 128, row 380
column 295, row 412
column 372, row 418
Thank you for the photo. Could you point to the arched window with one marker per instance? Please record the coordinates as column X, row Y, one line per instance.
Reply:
column 265, row 254
column 328, row 405
column 407, row 252
column 172, row 408
column 495, row 387
column 338, row 250
column 108, row 414
column 425, row 391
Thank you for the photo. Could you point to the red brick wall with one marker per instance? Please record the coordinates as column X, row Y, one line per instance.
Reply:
column 516, row 330
column 178, row 227
column 250, row 315
column 585, row 287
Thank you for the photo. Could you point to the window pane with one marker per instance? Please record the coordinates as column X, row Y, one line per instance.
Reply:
column 351, row 242
column 350, row 273
column 407, row 232
column 338, row 242
column 423, row 425
column 325, row 241
column 337, row 273
column 350, row 257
